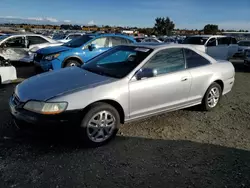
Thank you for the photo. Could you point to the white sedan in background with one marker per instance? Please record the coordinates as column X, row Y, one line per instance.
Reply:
column 7, row 72
column 17, row 47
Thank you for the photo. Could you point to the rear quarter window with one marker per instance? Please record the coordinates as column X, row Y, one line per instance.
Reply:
column 194, row 59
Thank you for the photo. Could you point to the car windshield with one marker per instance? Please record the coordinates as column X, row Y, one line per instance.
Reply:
column 244, row 43
column 77, row 42
column 195, row 40
column 74, row 36
column 58, row 36
column 117, row 62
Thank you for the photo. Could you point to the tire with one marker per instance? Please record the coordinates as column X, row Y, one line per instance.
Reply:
column 93, row 134
column 208, row 106
column 72, row 63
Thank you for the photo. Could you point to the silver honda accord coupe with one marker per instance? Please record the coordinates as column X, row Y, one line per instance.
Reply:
column 125, row 83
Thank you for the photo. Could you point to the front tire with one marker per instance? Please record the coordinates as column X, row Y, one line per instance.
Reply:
column 72, row 63
column 212, row 97
column 99, row 125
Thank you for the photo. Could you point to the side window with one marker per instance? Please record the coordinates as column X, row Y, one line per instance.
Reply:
column 100, row 42
column 15, row 42
column 211, row 42
column 194, row 60
column 166, row 61
column 36, row 40
column 118, row 41
column 223, row 41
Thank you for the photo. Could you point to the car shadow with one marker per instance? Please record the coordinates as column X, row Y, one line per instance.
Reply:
column 24, row 70
column 239, row 67
column 55, row 160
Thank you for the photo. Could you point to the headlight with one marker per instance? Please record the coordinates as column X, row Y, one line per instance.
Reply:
column 51, row 57
column 45, row 107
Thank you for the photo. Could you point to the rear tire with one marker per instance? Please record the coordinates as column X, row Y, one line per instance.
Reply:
column 72, row 63
column 99, row 125
column 212, row 97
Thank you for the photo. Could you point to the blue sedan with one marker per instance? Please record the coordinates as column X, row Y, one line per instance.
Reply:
column 78, row 51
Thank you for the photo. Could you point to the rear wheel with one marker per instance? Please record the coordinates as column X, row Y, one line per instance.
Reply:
column 212, row 97
column 99, row 125
column 72, row 63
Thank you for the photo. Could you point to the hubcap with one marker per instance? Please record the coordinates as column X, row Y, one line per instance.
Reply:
column 101, row 126
column 72, row 64
column 213, row 97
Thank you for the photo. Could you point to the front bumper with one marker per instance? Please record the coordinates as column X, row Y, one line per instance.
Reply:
column 44, row 65
column 71, row 119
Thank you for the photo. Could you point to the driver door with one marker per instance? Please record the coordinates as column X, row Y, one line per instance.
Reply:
column 216, row 49
column 168, row 89
column 15, row 48
column 101, row 44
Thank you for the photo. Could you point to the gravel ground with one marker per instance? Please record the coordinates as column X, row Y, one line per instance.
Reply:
column 186, row 148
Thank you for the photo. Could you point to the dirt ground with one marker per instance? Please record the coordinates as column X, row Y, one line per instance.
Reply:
column 186, row 148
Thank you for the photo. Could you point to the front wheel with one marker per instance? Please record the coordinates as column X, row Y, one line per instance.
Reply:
column 212, row 97
column 99, row 125
column 72, row 63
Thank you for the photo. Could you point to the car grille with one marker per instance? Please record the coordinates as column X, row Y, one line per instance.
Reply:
column 38, row 57
column 16, row 100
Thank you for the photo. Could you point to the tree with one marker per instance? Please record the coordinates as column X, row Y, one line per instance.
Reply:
column 211, row 29
column 164, row 26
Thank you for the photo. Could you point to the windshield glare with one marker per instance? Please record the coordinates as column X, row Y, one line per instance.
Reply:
column 77, row 42
column 117, row 62
column 195, row 40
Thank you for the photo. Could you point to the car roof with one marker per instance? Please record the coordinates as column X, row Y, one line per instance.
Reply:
column 207, row 36
column 113, row 35
column 159, row 45
column 24, row 34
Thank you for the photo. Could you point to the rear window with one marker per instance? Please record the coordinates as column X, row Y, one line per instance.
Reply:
column 195, row 40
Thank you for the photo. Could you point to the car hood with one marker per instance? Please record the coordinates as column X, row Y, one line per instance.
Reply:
column 53, row 49
column 55, row 83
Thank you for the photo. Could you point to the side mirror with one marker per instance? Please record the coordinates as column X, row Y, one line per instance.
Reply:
column 92, row 47
column 145, row 73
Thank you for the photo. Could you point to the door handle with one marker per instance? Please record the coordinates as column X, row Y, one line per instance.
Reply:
column 184, row 79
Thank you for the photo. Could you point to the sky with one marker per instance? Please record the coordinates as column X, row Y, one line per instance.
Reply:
column 189, row 14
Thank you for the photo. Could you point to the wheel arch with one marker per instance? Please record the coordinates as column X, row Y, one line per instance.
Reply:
column 220, row 82
column 113, row 103
column 72, row 58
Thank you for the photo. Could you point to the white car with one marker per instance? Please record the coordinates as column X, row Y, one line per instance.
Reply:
column 151, row 39
column 7, row 72
column 70, row 36
column 17, row 47
column 217, row 46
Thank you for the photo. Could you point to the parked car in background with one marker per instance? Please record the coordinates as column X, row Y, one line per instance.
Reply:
column 247, row 57
column 16, row 47
column 243, row 45
column 217, row 46
column 123, row 84
column 151, row 39
column 78, row 51
column 69, row 37
column 139, row 39
column 7, row 72
column 170, row 40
